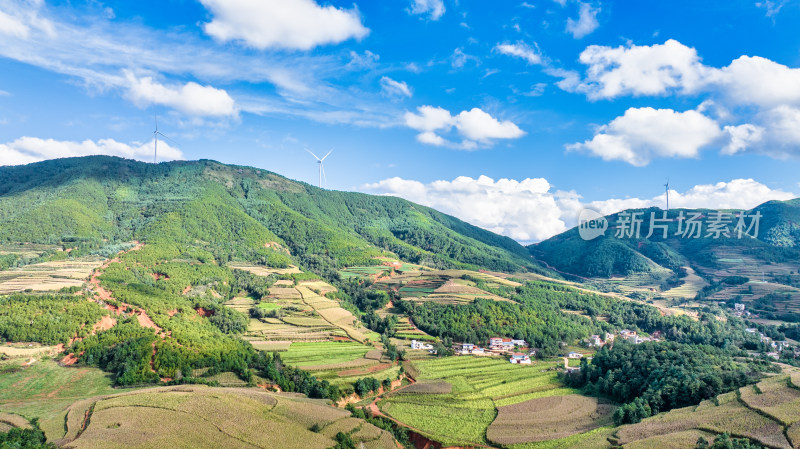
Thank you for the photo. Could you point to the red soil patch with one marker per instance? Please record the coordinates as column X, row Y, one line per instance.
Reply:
column 204, row 312
column 104, row 324
column 145, row 321
column 172, row 312
column 187, row 289
column 70, row 359
column 158, row 276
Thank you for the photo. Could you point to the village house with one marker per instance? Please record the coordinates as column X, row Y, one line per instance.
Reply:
column 595, row 340
column 500, row 344
column 521, row 359
column 574, row 355
column 467, row 348
column 420, row 345
column 478, row 350
column 609, row 337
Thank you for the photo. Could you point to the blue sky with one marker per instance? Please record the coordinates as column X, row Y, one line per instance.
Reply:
column 512, row 116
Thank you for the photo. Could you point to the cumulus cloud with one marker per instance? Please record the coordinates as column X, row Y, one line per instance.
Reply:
column 642, row 134
column 476, row 127
column 520, row 50
column 33, row 149
column 640, row 70
column 531, row 210
column 395, row 88
column 190, row 98
column 294, row 25
column 737, row 194
column 523, row 210
column 434, row 8
column 586, row 23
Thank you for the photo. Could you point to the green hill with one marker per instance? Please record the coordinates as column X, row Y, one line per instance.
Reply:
column 234, row 212
column 778, row 241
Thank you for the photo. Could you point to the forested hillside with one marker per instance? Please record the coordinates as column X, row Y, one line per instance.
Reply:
column 237, row 213
column 622, row 252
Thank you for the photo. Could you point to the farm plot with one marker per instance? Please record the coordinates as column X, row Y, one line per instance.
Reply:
column 323, row 353
column 261, row 270
column 213, row 417
column 372, row 272
column 730, row 416
column 774, row 397
column 44, row 390
column 48, row 276
column 477, row 387
column 548, row 418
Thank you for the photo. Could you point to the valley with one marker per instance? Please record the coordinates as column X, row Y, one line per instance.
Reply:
column 270, row 313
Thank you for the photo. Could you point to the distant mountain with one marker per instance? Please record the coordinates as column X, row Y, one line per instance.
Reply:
column 236, row 213
column 777, row 240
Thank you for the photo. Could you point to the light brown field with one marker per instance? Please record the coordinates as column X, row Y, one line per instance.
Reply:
column 261, row 270
column 196, row 416
column 548, row 418
column 48, row 276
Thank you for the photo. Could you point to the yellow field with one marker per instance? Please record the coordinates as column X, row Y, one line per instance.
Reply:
column 197, row 416
column 48, row 276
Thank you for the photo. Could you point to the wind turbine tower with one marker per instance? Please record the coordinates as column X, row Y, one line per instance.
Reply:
column 157, row 133
column 321, row 168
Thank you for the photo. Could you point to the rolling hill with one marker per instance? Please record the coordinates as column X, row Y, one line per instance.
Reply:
column 237, row 212
column 778, row 241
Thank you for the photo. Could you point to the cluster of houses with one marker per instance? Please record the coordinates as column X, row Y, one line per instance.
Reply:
column 595, row 341
column 739, row 310
column 499, row 346
column 777, row 346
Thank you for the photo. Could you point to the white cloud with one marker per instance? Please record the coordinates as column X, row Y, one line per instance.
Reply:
column 435, row 8
column 640, row 70
column 586, row 23
column 395, row 88
column 642, row 134
column 296, row 24
column 530, row 210
column 476, row 127
column 520, row 50
column 742, row 137
column 190, row 98
column 33, row 149
column 737, row 194
column 772, row 7
column 4, row 93
column 523, row 210
column 11, row 26
column 757, row 81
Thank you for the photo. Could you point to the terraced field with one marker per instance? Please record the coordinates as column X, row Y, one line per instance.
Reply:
column 197, row 416
column 48, row 276
column 765, row 413
column 478, row 386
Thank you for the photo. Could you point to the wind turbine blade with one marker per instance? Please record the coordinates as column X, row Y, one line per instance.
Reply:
column 329, row 152
column 166, row 137
column 315, row 156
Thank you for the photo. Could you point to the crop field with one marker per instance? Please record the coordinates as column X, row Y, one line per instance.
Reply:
column 692, row 284
column 323, row 353
column 194, row 416
column 365, row 272
column 548, row 418
column 44, row 390
column 593, row 439
column 774, row 397
column 726, row 413
column 48, row 276
column 261, row 270
column 241, row 304
column 478, row 386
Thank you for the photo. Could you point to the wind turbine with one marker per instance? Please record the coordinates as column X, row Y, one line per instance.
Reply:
column 156, row 133
column 666, row 187
column 321, row 168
